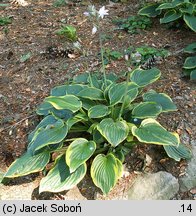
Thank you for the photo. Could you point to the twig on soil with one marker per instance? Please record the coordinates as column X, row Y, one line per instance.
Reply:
column 17, row 123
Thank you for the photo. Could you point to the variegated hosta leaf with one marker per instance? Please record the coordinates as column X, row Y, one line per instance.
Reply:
column 87, row 103
column 116, row 92
column 44, row 108
column 146, row 110
column 191, row 48
column 145, row 77
column 105, row 171
column 78, row 152
column 190, row 20
column 59, row 177
column 91, row 93
column 69, row 102
column 150, row 10
column 132, row 92
column 150, row 131
column 193, row 75
column 113, row 131
column 190, row 63
column 81, row 78
column 119, row 168
column 178, row 152
column 170, row 16
column 27, row 164
column 162, row 99
column 52, row 134
column 63, row 90
column 98, row 111
column 48, row 120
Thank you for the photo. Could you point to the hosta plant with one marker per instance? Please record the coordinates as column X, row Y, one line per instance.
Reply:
column 190, row 62
column 174, row 10
column 90, row 124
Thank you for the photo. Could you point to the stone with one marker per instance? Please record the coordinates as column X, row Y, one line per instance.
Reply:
column 17, row 192
column 188, row 181
column 74, row 194
column 157, row 186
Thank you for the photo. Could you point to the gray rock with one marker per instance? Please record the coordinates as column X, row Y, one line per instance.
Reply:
column 157, row 186
column 74, row 194
column 25, row 191
column 17, row 192
column 188, row 181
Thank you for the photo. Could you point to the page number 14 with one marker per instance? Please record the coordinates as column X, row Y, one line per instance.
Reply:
column 185, row 208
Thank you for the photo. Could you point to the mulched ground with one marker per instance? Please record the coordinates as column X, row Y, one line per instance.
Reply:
column 23, row 85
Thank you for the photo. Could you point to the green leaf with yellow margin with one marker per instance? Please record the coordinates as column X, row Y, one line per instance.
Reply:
column 150, row 131
column 69, row 102
column 113, row 131
column 178, row 152
column 91, row 93
column 78, row 152
column 145, row 77
column 170, row 16
column 162, row 99
column 52, row 134
column 59, row 177
column 146, row 110
column 150, row 10
column 27, row 164
column 105, row 171
column 190, row 20
column 98, row 111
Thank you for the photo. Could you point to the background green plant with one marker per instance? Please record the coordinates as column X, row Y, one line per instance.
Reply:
column 146, row 53
column 69, row 32
column 88, row 123
column 5, row 21
column 134, row 23
column 59, row 3
column 176, row 9
column 190, row 62
column 111, row 55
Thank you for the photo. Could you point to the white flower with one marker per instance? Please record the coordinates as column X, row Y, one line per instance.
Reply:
column 22, row 2
column 86, row 13
column 126, row 57
column 94, row 30
column 102, row 12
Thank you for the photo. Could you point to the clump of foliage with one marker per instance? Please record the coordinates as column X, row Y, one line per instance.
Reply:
column 111, row 55
column 69, row 32
column 145, row 52
column 5, row 21
column 134, row 23
column 176, row 9
column 93, row 122
column 190, row 62
column 104, row 121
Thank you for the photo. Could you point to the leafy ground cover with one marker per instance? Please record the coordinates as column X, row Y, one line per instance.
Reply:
column 24, row 83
